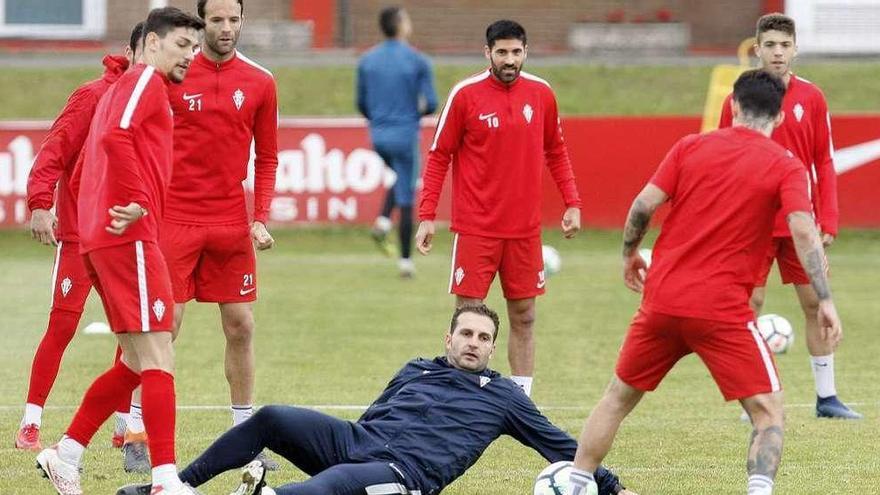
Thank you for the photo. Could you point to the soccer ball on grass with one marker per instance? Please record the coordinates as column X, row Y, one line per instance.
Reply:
column 553, row 480
column 777, row 332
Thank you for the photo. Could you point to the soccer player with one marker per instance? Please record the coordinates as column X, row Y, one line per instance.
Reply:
column 806, row 131
column 431, row 423
column 395, row 88
column 226, row 103
column 48, row 185
column 725, row 188
column 498, row 129
column 121, row 200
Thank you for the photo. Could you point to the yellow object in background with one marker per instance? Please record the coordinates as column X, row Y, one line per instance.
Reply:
column 721, row 85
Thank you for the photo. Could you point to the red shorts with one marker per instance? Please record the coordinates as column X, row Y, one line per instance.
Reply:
column 782, row 250
column 735, row 353
column 132, row 280
column 476, row 260
column 211, row 263
column 70, row 279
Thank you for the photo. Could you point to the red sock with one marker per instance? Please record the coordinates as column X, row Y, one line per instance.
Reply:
column 100, row 401
column 158, row 402
column 47, row 360
column 124, row 406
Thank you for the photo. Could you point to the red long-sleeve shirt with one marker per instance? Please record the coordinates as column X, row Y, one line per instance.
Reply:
column 806, row 132
column 127, row 159
column 220, row 110
column 58, row 154
column 497, row 137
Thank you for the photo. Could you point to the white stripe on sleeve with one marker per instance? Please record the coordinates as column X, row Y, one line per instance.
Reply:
column 136, row 96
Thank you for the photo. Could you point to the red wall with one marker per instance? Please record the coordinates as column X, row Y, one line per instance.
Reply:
column 327, row 172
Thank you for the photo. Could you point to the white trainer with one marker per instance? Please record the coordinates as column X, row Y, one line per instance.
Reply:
column 253, row 478
column 63, row 475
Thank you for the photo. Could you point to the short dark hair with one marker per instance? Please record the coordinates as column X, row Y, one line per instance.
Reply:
column 775, row 22
column 137, row 34
column 200, row 7
column 478, row 309
column 163, row 20
column 505, row 30
column 389, row 21
column 759, row 93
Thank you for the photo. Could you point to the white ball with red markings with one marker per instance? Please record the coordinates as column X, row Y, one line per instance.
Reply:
column 777, row 332
column 97, row 328
column 553, row 480
column 552, row 260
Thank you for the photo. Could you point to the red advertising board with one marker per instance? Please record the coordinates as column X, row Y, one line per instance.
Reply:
column 328, row 173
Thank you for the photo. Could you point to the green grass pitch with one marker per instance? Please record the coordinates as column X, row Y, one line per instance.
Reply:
column 334, row 323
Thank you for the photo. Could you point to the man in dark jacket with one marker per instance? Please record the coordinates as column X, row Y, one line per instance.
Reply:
column 432, row 423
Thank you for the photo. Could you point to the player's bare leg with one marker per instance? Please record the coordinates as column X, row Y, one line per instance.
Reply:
column 521, row 346
column 765, row 447
column 821, row 360
column 238, row 327
column 599, row 432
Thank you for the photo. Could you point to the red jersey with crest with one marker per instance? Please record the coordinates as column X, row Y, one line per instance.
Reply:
column 127, row 158
column 497, row 137
column 806, row 132
column 53, row 167
column 221, row 112
column 725, row 188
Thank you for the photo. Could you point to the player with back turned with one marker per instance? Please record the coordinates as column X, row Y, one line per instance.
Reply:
column 498, row 130
column 806, row 131
column 124, row 177
column 724, row 188
column 226, row 104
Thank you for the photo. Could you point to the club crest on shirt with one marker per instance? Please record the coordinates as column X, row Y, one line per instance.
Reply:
column 798, row 112
column 528, row 112
column 66, row 285
column 484, row 380
column 459, row 275
column 238, row 98
column 159, row 309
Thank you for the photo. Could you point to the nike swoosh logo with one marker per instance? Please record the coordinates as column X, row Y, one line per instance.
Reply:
column 541, row 285
column 488, row 115
column 245, row 292
column 851, row 157
column 190, row 97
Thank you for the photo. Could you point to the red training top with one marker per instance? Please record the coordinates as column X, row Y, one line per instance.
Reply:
column 725, row 188
column 806, row 131
column 220, row 111
column 58, row 154
column 497, row 137
column 127, row 159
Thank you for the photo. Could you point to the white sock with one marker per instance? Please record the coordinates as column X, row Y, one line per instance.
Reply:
column 166, row 477
column 240, row 414
column 33, row 415
column 135, row 419
column 383, row 223
column 760, row 485
column 123, row 418
column 581, row 482
column 70, row 451
column 524, row 382
column 823, row 373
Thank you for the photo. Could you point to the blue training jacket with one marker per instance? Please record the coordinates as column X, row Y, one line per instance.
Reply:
column 395, row 88
column 433, row 421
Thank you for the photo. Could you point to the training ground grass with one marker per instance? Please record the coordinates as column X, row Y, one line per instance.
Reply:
column 334, row 323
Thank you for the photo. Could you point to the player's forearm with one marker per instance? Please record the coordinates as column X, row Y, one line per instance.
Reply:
column 810, row 252
column 828, row 212
column 264, row 189
column 637, row 222
column 563, row 175
column 432, row 184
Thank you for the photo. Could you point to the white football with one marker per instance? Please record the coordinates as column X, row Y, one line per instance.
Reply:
column 777, row 332
column 552, row 261
column 97, row 327
column 553, row 480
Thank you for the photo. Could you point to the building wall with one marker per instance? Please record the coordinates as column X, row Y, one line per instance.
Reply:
column 122, row 15
column 459, row 25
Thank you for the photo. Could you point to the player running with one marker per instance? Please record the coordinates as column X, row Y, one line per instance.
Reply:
column 498, row 129
column 121, row 201
column 226, row 103
column 431, row 423
column 806, row 131
column 725, row 188
column 395, row 88
column 48, row 185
